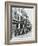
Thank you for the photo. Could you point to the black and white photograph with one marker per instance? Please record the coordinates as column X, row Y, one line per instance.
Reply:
column 21, row 23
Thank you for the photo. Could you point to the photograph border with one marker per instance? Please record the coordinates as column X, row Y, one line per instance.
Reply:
column 7, row 9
